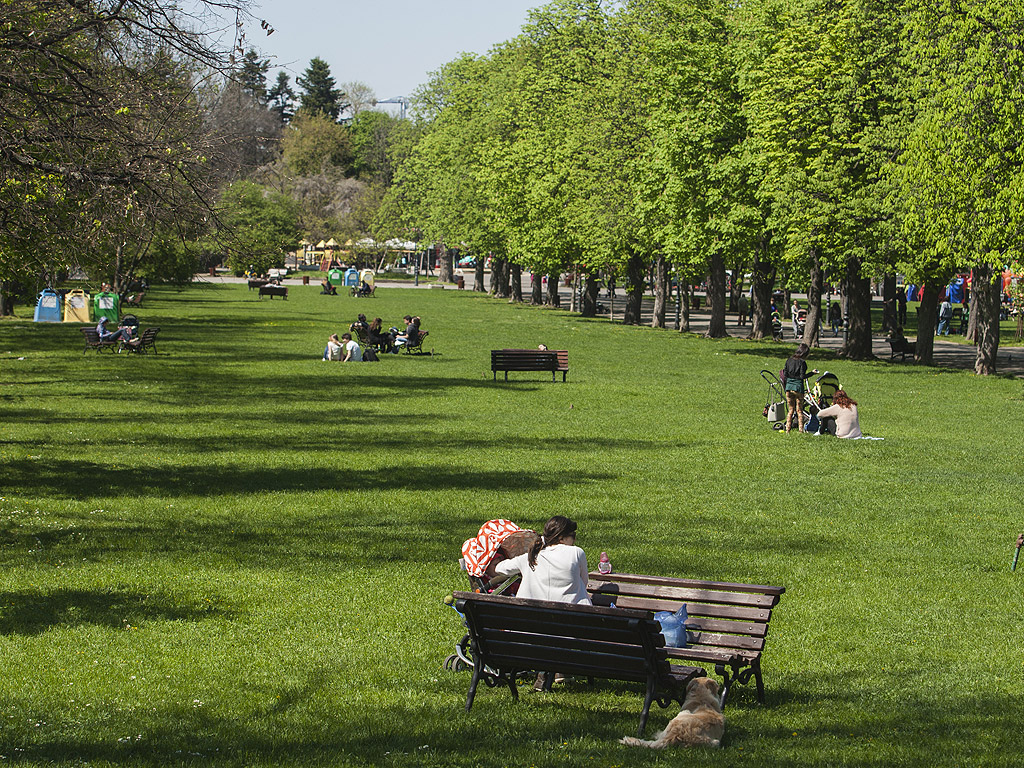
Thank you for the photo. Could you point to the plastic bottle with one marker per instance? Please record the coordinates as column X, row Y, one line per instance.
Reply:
column 604, row 565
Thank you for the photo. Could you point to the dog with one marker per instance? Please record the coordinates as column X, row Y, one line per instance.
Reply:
column 700, row 722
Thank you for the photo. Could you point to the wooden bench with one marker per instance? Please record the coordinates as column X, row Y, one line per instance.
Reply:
column 257, row 282
column 145, row 342
column 415, row 346
column 92, row 341
column 506, row 360
column 901, row 347
column 509, row 635
column 274, row 290
column 726, row 625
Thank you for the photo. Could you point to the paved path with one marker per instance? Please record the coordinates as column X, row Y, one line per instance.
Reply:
column 946, row 354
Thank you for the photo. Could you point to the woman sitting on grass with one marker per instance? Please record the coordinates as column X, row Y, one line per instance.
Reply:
column 840, row 418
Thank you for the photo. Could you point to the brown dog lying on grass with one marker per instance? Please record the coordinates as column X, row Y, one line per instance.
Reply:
column 700, row 722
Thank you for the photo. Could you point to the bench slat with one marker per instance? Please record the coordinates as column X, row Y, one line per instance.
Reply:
column 687, row 594
column 532, row 656
column 603, row 631
column 691, row 583
column 742, row 642
column 742, row 613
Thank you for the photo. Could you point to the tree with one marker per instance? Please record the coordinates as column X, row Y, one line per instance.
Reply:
column 257, row 226
column 252, row 76
column 360, row 97
column 313, row 143
column 319, row 95
column 281, row 98
column 101, row 132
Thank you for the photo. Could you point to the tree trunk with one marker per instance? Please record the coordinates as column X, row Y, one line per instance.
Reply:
column 661, row 285
column 552, row 299
column 988, row 290
column 499, row 278
column 889, row 320
column 683, row 295
column 447, row 274
column 926, row 322
column 517, row 283
column 635, row 269
column 763, row 275
column 716, row 297
column 813, row 323
column 737, row 287
column 590, row 294
column 536, row 291
column 858, row 303
column 478, row 276
column 6, row 299
column 118, row 254
column 972, row 315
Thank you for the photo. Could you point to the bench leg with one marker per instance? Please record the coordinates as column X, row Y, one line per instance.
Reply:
column 472, row 685
column 648, row 698
column 758, row 681
column 727, row 680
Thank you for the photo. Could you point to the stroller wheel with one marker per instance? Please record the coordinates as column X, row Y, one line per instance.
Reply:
column 451, row 662
column 778, row 426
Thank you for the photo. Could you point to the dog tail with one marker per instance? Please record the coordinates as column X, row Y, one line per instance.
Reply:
column 631, row 741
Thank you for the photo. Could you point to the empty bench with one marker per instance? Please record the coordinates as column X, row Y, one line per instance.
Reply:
column 726, row 626
column 506, row 360
column 902, row 347
column 509, row 635
column 273, row 290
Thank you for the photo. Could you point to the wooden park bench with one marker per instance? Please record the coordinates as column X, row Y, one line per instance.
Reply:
column 92, row 341
column 145, row 342
column 506, row 360
column 509, row 635
column 415, row 346
column 274, row 290
column 257, row 282
column 901, row 347
column 726, row 625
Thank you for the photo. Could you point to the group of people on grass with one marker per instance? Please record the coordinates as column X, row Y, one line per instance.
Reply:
column 839, row 419
column 373, row 335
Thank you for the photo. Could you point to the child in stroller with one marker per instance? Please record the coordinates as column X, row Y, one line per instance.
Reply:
column 820, row 397
column 776, row 326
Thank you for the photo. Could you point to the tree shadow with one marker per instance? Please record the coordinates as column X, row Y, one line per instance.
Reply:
column 31, row 613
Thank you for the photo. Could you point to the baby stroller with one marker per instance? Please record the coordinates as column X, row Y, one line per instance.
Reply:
column 497, row 540
column 776, row 326
column 820, row 396
column 775, row 403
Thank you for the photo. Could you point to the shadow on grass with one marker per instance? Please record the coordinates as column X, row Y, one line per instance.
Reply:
column 85, row 480
column 31, row 613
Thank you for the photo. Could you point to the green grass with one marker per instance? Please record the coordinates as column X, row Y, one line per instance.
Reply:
column 234, row 554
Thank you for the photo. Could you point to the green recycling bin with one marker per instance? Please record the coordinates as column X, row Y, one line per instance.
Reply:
column 108, row 305
column 336, row 276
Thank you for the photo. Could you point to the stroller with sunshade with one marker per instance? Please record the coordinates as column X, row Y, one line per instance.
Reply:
column 497, row 540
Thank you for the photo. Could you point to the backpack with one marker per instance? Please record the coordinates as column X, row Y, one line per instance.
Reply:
column 370, row 355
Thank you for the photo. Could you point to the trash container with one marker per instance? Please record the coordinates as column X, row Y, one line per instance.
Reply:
column 336, row 276
column 460, row 281
column 48, row 307
column 106, row 304
column 76, row 306
column 213, row 271
column 305, row 279
column 351, row 277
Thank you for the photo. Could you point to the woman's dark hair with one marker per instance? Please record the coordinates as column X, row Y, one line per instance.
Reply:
column 361, row 318
column 555, row 529
column 376, row 324
column 802, row 351
column 842, row 399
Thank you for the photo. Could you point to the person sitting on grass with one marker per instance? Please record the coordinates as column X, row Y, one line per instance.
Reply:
column 353, row 353
column 333, row 349
column 326, row 288
column 840, row 418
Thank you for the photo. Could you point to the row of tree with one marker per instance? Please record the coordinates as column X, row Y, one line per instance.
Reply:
column 803, row 142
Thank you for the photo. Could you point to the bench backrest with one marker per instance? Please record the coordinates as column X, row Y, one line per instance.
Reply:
column 529, row 360
column 149, row 335
column 721, row 615
column 93, row 338
column 515, row 633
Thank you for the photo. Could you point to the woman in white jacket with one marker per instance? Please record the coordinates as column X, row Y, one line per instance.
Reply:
column 554, row 568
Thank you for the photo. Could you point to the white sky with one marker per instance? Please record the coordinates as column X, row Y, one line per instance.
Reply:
column 391, row 45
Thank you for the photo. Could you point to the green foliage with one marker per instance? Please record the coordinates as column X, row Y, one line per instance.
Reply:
column 252, row 76
column 232, row 553
column 258, row 226
column 281, row 98
column 313, row 144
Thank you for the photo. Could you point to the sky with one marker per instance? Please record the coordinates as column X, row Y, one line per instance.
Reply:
column 391, row 45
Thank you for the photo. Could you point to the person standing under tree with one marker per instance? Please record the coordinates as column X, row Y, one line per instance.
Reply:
column 793, row 376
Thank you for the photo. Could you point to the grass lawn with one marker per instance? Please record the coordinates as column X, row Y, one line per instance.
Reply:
column 234, row 554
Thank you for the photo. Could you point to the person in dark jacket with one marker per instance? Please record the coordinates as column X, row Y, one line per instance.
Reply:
column 793, row 376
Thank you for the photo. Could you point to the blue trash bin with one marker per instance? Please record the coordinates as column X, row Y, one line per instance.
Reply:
column 48, row 307
column 351, row 278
